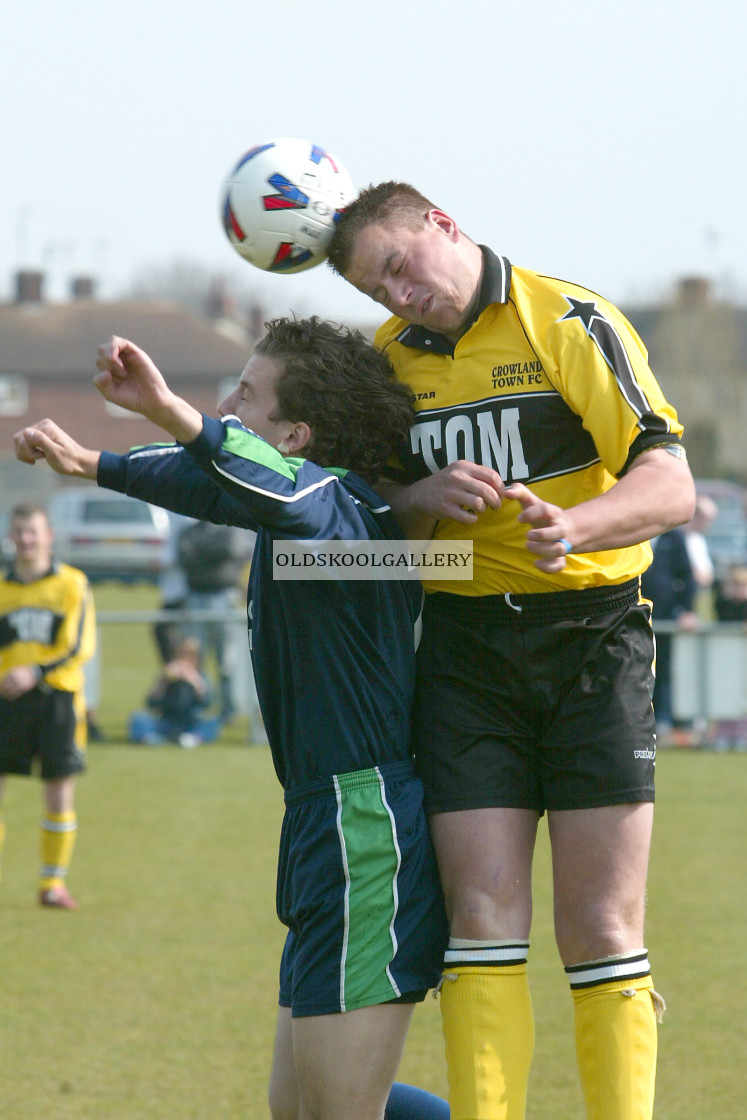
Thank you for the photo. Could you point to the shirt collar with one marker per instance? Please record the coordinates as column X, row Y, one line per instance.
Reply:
column 495, row 287
column 11, row 576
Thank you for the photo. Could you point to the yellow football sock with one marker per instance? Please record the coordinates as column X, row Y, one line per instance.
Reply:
column 58, row 832
column 616, row 1044
column 488, row 1026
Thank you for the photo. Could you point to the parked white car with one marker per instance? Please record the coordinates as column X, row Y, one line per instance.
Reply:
column 109, row 535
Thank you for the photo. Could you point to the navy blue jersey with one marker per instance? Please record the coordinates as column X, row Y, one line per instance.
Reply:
column 334, row 660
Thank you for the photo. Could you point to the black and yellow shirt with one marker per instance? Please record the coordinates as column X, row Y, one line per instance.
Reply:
column 48, row 623
column 550, row 386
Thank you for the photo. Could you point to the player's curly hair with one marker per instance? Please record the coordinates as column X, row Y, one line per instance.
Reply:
column 334, row 380
column 391, row 201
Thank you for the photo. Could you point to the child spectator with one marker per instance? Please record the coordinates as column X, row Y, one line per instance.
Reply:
column 176, row 700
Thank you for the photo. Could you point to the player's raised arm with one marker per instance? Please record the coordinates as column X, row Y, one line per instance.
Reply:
column 129, row 377
column 46, row 440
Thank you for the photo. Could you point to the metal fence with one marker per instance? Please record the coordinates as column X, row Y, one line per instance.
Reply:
column 243, row 688
column 709, row 665
column 709, row 671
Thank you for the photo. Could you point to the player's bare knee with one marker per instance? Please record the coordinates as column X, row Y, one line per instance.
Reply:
column 596, row 931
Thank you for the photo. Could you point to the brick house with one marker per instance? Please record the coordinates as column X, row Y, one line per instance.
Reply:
column 697, row 347
column 48, row 361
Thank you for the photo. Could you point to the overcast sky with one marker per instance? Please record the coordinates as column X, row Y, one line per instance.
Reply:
column 601, row 142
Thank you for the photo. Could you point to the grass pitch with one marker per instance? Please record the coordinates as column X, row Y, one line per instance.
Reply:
column 156, row 999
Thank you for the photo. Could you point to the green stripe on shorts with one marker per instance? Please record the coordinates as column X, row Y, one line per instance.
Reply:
column 371, row 858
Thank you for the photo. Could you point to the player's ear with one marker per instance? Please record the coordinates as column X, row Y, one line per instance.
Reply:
column 297, row 438
column 443, row 223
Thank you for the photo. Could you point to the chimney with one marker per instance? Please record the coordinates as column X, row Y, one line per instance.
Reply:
column 257, row 321
column 82, row 287
column 694, row 291
column 220, row 304
column 29, row 286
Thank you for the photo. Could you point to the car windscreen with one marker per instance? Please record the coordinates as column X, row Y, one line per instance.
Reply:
column 117, row 512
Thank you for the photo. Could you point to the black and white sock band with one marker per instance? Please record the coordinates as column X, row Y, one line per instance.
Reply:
column 626, row 966
column 484, row 954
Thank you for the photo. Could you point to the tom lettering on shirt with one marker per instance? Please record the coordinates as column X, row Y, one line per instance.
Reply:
column 524, row 436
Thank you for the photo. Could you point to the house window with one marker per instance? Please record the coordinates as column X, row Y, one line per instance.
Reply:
column 14, row 394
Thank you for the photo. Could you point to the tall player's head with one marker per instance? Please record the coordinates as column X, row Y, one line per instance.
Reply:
column 321, row 391
column 32, row 538
column 394, row 245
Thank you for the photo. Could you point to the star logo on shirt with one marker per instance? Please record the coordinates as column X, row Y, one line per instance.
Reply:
column 585, row 310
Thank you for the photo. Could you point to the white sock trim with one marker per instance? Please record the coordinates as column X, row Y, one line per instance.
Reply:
column 623, row 966
column 464, row 951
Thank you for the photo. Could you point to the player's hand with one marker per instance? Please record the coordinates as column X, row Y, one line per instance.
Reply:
column 130, row 378
column 176, row 670
column 46, row 440
column 550, row 528
column 18, row 681
column 461, row 492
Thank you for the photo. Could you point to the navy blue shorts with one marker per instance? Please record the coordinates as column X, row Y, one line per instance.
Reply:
column 541, row 702
column 359, row 892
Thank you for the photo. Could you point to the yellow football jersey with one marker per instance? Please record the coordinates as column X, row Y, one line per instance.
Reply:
column 551, row 387
column 49, row 623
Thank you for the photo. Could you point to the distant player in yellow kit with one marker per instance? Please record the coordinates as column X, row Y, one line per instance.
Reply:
column 543, row 436
column 47, row 633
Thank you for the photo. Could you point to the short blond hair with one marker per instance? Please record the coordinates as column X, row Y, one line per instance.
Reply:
column 28, row 509
column 394, row 202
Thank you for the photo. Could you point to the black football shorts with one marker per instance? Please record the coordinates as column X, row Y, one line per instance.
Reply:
column 47, row 725
column 536, row 701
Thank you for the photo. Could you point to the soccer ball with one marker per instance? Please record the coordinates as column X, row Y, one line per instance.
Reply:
column 280, row 204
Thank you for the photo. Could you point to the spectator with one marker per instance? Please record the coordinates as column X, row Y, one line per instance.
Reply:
column 670, row 585
column 176, row 701
column 212, row 558
column 701, row 561
column 47, row 633
column 731, row 606
column 173, row 588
